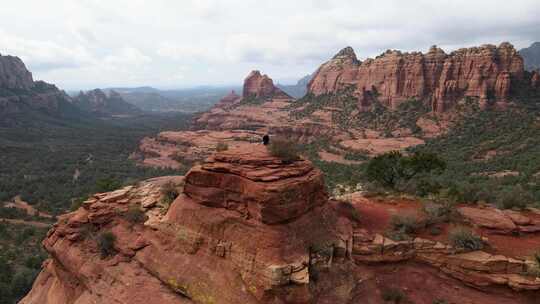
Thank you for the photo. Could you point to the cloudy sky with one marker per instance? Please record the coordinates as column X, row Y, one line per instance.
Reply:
column 82, row 44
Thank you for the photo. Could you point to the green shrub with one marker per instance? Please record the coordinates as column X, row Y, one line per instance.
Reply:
column 463, row 238
column 105, row 243
column 107, row 184
column 393, row 168
column 406, row 223
column 135, row 215
column 514, row 197
column 393, row 295
column 221, row 146
column 284, row 149
column 169, row 193
column 439, row 212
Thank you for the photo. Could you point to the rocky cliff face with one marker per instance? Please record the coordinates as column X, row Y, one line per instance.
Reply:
column 531, row 56
column 246, row 228
column 261, row 86
column 13, row 73
column 441, row 79
column 20, row 94
column 96, row 101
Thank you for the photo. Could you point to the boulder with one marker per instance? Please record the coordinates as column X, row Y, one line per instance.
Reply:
column 488, row 217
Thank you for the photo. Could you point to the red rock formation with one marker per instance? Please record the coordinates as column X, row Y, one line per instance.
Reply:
column 262, row 86
column 246, row 229
column 229, row 100
column 484, row 72
column 535, row 80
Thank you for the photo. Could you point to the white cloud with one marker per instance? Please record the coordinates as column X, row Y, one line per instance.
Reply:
column 176, row 43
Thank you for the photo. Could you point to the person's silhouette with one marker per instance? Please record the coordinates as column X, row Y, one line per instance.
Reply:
column 266, row 139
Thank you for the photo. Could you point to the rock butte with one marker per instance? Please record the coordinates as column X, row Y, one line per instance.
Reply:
column 262, row 86
column 247, row 228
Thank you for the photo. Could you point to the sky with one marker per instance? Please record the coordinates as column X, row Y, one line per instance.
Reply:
column 84, row 44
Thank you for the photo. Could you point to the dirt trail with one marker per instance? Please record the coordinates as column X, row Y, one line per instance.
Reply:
column 29, row 223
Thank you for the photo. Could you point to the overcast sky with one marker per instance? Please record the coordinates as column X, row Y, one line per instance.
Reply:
column 82, row 44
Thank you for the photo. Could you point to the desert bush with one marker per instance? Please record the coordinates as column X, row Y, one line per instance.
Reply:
column 393, row 295
column 221, row 146
column 105, row 243
column 169, row 193
column 393, row 168
column 464, row 238
column 135, row 215
column 285, row 150
column 439, row 212
column 514, row 197
column 406, row 223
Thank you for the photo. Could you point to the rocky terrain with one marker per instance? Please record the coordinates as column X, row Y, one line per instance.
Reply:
column 247, row 228
column 98, row 102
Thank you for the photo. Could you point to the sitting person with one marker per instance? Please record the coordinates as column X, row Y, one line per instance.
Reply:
column 266, row 139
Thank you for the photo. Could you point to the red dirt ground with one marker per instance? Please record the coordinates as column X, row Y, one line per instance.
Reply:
column 376, row 214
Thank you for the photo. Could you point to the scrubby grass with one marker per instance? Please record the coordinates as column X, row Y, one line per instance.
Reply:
column 285, row 150
column 465, row 239
column 169, row 193
column 135, row 215
column 106, row 241
column 393, row 295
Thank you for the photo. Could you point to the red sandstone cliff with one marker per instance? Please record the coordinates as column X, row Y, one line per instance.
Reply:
column 484, row 72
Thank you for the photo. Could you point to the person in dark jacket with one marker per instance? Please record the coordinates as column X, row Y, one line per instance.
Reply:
column 266, row 139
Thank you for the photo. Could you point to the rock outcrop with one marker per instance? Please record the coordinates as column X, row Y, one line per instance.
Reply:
column 20, row 94
column 535, row 80
column 246, row 228
column 13, row 74
column 438, row 78
column 476, row 268
column 98, row 102
column 261, row 86
column 229, row 100
column 498, row 221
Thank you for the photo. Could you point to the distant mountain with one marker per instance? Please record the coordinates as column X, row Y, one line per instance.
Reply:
column 182, row 100
column 531, row 56
column 299, row 89
column 23, row 100
column 103, row 104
